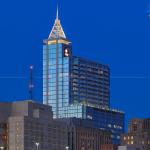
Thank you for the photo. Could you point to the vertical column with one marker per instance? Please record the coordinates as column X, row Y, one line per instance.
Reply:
column 57, row 92
column 47, row 73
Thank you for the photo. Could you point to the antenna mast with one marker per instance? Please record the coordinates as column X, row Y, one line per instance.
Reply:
column 31, row 86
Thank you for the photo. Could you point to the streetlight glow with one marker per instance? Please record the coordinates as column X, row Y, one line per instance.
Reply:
column 37, row 145
column 1, row 147
column 67, row 147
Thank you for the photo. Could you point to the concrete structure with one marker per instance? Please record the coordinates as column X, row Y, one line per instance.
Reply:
column 106, row 119
column 5, row 112
column 31, row 125
column 77, row 87
column 27, row 125
column 138, row 135
column 90, row 138
column 82, row 137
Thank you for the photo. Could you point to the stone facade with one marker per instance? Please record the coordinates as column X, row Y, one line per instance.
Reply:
column 29, row 123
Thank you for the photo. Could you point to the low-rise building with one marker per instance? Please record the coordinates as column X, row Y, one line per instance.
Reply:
column 27, row 125
column 82, row 137
column 138, row 135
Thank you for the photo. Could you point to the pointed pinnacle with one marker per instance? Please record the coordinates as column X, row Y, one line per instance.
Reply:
column 57, row 15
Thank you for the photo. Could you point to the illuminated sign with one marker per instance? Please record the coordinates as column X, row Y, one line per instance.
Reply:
column 66, row 52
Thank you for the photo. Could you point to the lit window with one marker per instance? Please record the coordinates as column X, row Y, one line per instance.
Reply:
column 124, row 138
column 109, row 125
column 132, row 142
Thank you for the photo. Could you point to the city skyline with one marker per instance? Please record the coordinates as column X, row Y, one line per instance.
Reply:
column 18, row 74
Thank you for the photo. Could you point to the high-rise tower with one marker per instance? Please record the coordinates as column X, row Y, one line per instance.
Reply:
column 75, row 86
column 70, row 79
column 56, row 68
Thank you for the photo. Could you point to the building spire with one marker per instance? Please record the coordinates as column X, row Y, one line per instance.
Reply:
column 57, row 15
column 57, row 30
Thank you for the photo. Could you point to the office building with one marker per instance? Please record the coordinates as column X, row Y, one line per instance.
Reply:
column 4, row 114
column 77, row 87
column 82, row 137
column 89, row 138
column 108, row 119
column 89, row 82
column 68, row 79
column 28, row 125
column 138, row 135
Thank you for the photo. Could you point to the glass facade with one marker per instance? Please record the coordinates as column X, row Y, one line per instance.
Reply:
column 56, row 72
column 90, row 82
column 72, row 111
column 107, row 119
column 70, row 80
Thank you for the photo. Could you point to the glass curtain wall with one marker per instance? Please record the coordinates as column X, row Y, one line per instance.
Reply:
column 55, row 77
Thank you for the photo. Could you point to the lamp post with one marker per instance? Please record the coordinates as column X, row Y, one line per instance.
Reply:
column 67, row 147
column 37, row 145
column 1, row 147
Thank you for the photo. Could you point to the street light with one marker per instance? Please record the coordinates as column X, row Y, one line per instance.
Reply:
column 1, row 147
column 37, row 145
column 67, row 147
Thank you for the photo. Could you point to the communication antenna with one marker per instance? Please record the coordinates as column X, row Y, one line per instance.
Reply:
column 31, row 86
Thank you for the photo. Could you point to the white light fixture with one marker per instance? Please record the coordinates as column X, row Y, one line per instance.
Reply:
column 37, row 145
column 67, row 147
column 1, row 147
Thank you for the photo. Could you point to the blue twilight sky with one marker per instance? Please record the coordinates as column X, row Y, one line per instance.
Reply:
column 115, row 32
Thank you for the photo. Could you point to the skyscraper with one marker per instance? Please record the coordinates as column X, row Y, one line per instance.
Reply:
column 89, row 82
column 56, row 69
column 77, row 87
column 69, row 79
